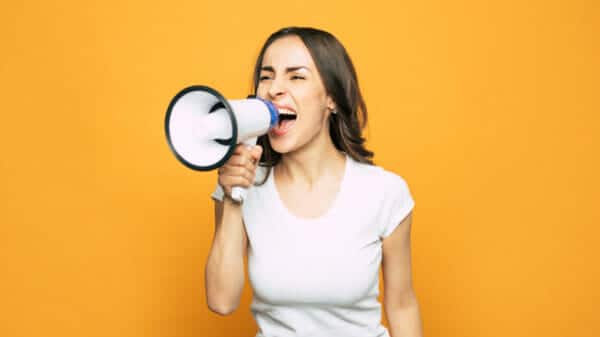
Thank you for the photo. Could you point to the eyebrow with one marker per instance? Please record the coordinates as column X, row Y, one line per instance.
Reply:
column 287, row 70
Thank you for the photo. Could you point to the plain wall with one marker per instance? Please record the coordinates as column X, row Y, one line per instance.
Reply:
column 489, row 110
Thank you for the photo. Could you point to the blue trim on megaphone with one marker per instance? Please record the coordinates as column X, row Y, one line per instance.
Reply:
column 272, row 110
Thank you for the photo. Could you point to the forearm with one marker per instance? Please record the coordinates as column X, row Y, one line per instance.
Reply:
column 224, row 274
column 404, row 320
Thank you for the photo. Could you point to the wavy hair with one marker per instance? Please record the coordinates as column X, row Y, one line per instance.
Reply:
column 341, row 84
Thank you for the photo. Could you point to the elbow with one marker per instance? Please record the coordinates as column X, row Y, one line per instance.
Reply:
column 221, row 302
column 222, row 309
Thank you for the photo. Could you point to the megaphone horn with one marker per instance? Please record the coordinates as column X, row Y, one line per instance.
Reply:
column 203, row 128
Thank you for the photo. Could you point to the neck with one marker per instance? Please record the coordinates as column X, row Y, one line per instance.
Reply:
column 311, row 163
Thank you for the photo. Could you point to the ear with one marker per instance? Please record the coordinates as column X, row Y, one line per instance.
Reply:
column 330, row 103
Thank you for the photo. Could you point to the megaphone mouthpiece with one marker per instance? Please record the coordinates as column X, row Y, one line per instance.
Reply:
column 273, row 112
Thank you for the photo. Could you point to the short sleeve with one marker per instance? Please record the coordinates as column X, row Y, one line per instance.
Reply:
column 398, row 202
column 218, row 194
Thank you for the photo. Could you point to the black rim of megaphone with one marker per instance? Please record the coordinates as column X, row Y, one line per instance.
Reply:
column 231, row 118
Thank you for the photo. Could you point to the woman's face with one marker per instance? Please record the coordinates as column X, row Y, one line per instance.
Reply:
column 289, row 79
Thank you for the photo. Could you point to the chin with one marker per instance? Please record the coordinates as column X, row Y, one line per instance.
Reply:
column 282, row 146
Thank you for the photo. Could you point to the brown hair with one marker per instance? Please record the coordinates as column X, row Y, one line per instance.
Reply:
column 341, row 84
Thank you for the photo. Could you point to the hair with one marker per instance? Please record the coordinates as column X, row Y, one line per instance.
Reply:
column 341, row 84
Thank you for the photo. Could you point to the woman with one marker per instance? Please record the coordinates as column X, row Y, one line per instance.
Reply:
column 322, row 218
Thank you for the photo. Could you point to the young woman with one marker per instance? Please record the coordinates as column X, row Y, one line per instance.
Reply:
column 319, row 218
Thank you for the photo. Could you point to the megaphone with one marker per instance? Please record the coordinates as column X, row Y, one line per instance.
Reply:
column 203, row 128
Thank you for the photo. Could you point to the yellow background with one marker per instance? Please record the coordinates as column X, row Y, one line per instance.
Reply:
column 488, row 109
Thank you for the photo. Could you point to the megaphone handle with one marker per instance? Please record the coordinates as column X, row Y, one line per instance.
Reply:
column 239, row 193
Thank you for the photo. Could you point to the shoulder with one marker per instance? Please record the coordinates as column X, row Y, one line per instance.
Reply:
column 379, row 177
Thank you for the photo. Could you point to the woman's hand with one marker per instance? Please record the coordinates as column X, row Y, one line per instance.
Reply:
column 240, row 169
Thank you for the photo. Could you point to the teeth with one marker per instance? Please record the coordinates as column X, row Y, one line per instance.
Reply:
column 286, row 112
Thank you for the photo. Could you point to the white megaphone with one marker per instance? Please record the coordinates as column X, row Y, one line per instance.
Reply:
column 203, row 128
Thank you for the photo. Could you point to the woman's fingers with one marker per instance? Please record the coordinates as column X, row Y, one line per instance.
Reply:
column 228, row 182
column 240, row 169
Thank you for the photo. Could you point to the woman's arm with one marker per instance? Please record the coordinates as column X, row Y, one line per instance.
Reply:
column 225, row 270
column 400, row 301
column 224, row 274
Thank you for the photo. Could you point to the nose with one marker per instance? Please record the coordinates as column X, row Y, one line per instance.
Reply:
column 276, row 89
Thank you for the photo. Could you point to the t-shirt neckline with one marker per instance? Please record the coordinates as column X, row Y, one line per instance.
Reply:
column 330, row 210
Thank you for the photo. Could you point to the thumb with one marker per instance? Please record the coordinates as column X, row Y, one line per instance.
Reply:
column 256, row 152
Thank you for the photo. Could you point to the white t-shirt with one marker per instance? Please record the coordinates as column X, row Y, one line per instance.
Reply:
column 320, row 277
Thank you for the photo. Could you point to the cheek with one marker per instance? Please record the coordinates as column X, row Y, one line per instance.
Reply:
column 314, row 106
column 261, row 91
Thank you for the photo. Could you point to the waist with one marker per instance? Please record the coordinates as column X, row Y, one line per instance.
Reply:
column 352, row 331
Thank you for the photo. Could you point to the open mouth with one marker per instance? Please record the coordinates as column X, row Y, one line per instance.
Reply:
column 286, row 121
column 286, row 117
